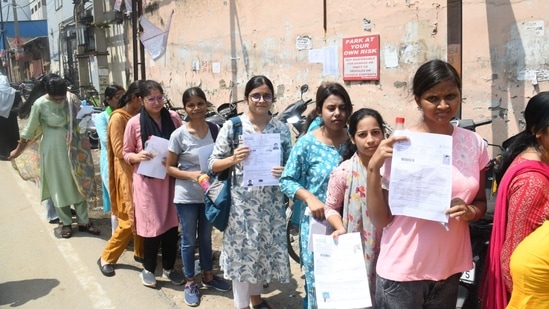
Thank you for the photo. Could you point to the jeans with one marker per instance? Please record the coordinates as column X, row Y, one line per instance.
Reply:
column 421, row 294
column 51, row 213
column 191, row 218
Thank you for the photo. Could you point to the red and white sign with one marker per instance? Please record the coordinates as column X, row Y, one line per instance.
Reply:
column 361, row 58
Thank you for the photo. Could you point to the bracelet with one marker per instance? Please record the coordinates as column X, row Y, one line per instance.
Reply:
column 474, row 209
column 22, row 141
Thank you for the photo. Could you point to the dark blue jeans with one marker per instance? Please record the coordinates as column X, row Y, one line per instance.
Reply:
column 422, row 294
column 192, row 217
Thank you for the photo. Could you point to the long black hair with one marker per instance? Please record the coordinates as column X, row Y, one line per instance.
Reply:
column 51, row 84
column 536, row 116
column 355, row 118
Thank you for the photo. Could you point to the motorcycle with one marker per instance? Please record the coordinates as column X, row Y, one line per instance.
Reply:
column 86, row 116
column 211, row 115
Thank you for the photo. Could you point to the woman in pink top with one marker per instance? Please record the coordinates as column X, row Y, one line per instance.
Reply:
column 155, row 215
column 420, row 261
column 345, row 207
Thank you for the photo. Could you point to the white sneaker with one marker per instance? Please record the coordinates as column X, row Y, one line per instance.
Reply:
column 147, row 278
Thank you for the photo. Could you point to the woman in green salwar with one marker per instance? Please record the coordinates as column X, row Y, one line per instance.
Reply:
column 66, row 167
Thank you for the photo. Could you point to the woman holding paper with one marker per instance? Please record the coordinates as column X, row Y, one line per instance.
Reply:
column 314, row 156
column 183, row 164
column 155, row 216
column 345, row 207
column 254, row 244
column 420, row 261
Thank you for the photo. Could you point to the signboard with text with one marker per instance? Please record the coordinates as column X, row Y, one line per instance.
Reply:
column 361, row 58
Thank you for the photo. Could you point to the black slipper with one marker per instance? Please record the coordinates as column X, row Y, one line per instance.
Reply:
column 107, row 269
column 263, row 305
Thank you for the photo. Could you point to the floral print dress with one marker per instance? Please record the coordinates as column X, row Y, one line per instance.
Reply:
column 254, row 242
column 309, row 167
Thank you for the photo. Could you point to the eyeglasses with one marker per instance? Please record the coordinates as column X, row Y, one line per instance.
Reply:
column 152, row 100
column 267, row 97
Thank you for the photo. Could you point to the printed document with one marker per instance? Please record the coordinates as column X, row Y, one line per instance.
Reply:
column 204, row 153
column 158, row 147
column 265, row 153
column 421, row 176
column 340, row 272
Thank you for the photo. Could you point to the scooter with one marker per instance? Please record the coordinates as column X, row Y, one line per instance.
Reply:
column 480, row 231
column 293, row 113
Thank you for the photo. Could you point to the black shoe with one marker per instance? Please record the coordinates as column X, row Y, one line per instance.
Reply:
column 54, row 221
column 90, row 228
column 107, row 269
column 138, row 259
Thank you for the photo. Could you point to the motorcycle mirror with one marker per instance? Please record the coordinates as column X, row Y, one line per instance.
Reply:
column 303, row 89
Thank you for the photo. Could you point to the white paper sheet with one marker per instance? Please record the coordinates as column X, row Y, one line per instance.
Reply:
column 264, row 155
column 158, row 147
column 317, row 228
column 340, row 272
column 204, row 153
column 421, row 176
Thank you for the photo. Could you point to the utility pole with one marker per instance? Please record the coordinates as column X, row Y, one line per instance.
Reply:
column 18, row 47
column 101, row 45
column 455, row 40
column 3, row 34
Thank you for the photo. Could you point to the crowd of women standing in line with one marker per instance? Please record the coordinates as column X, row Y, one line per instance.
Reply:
column 333, row 172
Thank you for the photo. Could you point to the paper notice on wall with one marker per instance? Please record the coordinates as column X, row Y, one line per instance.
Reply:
column 153, row 38
column 391, row 56
column 331, row 66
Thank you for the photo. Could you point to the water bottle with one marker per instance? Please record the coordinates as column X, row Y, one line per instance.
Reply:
column 399, row 126
column 204, row 181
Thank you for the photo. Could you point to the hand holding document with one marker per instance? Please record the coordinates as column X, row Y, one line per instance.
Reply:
column 421, row 176
column 155, row 168
column 340, row 272
column 265, row 152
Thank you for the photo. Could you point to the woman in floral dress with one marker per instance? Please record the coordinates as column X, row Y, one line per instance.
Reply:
column 254, row 243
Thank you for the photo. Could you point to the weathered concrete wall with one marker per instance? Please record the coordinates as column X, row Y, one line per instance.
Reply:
column 505, row 46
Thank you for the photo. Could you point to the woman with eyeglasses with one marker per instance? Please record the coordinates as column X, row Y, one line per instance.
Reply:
column 254, row 243
column 314, row 156
column 66, row 170
column 112, row 95
column 155, row 215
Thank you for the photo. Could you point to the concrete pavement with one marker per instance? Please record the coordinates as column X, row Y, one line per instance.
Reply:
column 39, row 270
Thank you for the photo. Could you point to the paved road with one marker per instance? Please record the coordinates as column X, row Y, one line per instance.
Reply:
column 39, row 270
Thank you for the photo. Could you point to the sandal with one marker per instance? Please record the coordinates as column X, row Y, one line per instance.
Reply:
column 263, row 305
column 66, row 231
column 90, row 228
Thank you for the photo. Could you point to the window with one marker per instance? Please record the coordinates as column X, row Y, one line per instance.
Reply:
column 58, row 4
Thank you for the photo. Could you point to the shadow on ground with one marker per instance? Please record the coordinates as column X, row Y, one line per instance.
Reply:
column 18, row 293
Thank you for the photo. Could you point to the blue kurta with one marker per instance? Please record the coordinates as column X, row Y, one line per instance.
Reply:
column 309, row 167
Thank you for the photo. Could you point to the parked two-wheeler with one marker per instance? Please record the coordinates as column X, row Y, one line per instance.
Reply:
column 480, row 231
column 293, row 114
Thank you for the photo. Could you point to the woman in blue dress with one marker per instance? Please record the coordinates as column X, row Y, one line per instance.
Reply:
column 314, row 156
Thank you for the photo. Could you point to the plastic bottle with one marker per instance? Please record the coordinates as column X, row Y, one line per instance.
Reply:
column 399, row 126
column 84, row 102
column 204, row 181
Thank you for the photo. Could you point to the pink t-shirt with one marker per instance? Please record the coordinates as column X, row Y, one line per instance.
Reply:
column 416, row 249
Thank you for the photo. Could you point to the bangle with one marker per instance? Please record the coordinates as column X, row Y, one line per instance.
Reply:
column 22, row 141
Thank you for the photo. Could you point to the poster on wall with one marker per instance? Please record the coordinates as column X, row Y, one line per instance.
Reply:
column 361, row 58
